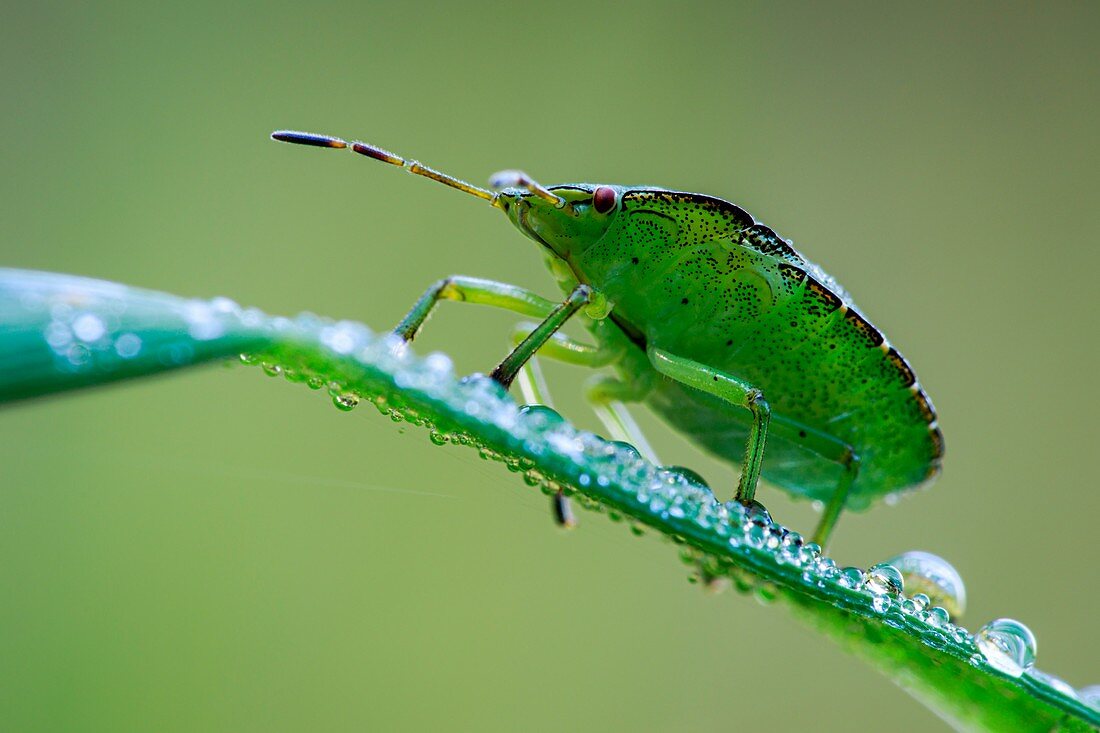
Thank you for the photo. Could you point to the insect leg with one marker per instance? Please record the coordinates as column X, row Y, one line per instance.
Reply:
column 472, row 290
column 560, row 347
column 522, row 362
column 505, row 372
column 836, row 501
column 532, row 385
column 736, row 392
column 832, row 449
column 607, row 395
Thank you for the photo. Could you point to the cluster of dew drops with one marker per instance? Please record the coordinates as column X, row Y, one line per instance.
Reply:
column 937, row 596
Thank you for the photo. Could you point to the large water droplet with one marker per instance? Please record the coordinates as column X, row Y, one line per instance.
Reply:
column 541, row 416
column 935, row 577
column 884, row 580
column 1007, row 645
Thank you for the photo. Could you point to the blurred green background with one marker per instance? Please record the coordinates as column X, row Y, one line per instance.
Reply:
column 220, row 551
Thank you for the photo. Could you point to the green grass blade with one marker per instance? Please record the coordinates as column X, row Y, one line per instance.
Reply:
column 59, row 333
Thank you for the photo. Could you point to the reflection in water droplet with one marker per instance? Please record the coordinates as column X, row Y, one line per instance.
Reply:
column 271, row 370
column 884, row 580
column 345, row 402
column 1007, row 645
column 931, row 574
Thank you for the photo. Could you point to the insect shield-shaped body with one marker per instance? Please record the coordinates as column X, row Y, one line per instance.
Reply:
column 715, row 322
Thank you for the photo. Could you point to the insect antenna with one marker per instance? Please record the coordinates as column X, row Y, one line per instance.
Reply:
column 506, row 179
column 373, row 151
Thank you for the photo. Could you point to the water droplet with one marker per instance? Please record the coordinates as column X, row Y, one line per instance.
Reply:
column 755, row 511
column 880, row 603
column 1007, row 645
column 756, row 533
column 884, row 580
column 932, row 575
column 315, row 382
column 248, row 358
column 622, row 446
column 1090, row 695
column 271, row 370
column 690, row 476
column 939, row 617
column 715, row 584
column 437, row 437
column 959, row 634
column 766, row 593
column 88, row 327
column 809, row 553
column 851, row 578
column 541, row 416
column 345, row 402
column 128, row 345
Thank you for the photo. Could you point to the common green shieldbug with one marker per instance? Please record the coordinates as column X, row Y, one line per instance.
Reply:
column 716, row 323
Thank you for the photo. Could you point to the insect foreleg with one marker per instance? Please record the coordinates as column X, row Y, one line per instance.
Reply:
column 472, row 290
column 506, row 371
column 736, row 392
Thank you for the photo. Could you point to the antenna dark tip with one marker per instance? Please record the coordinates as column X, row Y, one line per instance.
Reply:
column 377, row 153
column 308, row 138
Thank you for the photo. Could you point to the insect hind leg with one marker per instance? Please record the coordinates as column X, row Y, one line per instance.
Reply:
column 831, row 449
column 736, row 392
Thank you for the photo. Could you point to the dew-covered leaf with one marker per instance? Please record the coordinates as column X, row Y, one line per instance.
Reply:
column 61, row 332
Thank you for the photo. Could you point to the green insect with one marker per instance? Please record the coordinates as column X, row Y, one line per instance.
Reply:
column 716, row 323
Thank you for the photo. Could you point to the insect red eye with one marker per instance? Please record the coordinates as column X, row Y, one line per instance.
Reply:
column 603, row 199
